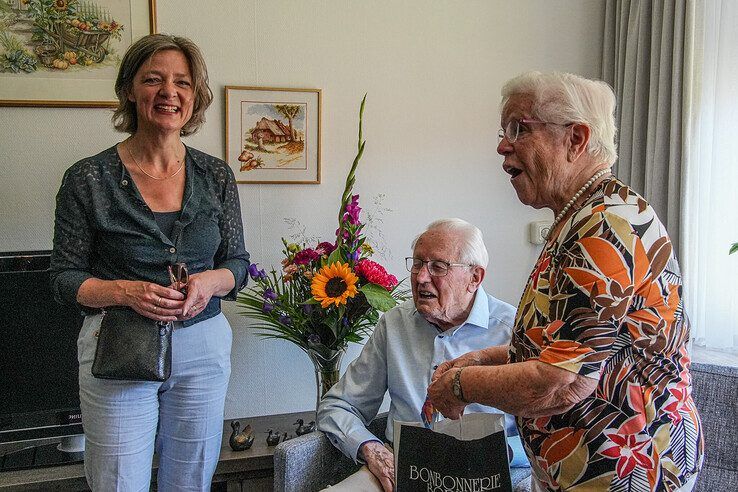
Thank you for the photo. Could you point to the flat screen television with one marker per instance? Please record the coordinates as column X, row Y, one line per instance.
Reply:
column 39, row 392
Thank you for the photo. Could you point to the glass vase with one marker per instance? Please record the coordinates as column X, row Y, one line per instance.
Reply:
column 327, row 370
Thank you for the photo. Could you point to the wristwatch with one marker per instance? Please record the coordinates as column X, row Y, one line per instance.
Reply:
column 456, row 386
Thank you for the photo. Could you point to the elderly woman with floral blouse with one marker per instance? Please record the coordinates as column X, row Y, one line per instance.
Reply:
column 597, row 371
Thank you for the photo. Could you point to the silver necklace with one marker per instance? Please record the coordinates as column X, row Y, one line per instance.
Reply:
column 158, row 178
column 574, row 199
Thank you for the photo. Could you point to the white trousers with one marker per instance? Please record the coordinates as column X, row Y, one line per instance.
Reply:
column 124, row 421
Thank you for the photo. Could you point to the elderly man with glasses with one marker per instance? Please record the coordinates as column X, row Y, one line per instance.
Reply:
column 450, row 315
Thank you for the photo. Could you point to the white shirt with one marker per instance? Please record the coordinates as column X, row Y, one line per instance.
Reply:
column 400, row 357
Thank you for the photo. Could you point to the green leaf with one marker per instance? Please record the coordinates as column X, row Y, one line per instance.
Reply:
column 378, row 297
column 335, row 256
column 733, row 248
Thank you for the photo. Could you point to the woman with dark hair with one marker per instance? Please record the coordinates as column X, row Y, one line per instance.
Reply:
column 123, row 217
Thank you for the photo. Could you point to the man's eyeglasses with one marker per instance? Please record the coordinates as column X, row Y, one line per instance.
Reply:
column 436, row 268
column 179, row 277
column 516, row 128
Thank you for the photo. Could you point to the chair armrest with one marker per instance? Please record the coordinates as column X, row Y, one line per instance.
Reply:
column 309, row 463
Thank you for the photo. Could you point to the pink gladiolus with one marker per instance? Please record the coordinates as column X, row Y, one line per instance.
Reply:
column 352, row 210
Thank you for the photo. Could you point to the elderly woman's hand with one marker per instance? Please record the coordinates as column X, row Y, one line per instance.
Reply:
column 442, row 396
column 469, row 359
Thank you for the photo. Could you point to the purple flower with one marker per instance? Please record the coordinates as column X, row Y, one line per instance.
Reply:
column 307, row 308
column 313, row 339
column 270, row 294
column 255, row 273
column 352, row 210
column 284, row 319
column 355, row 256
column 267, row 307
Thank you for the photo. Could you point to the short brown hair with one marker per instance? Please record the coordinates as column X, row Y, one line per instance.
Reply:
column 125, row 118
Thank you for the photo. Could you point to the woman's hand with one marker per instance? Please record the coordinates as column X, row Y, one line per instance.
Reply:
column 153, row 300
column 469, row 359
column 200, row 289
column 442, row 396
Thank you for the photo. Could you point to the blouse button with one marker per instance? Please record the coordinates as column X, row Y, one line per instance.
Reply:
column 124, row 182
column 172, row 250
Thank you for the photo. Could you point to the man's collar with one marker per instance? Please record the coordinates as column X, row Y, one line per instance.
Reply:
column 479, row 315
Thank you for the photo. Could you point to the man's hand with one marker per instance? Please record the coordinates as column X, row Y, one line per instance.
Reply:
column 442, row 396
column 381, row 462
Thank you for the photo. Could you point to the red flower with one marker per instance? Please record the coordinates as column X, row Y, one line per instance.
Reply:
column 376, row 274
column 325, row 248
column 305, row 256
column 629, row 452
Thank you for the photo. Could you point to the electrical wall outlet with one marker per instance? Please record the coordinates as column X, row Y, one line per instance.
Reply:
column 538, row 231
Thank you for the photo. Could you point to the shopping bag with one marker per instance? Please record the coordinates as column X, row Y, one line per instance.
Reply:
column 469, row 454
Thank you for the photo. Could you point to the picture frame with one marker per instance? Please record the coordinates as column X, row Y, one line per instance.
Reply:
column 67, row 54
column 273, row 134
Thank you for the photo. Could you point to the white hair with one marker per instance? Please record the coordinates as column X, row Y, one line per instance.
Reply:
column 560, row 97
column 473, row 250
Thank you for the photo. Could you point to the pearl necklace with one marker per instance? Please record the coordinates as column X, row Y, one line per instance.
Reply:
column 158, row 178
column 574, row 199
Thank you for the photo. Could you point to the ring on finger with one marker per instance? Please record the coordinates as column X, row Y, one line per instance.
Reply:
column 156, row 309
column 158, row 301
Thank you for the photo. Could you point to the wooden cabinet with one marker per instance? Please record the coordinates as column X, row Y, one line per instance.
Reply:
column 251, row 469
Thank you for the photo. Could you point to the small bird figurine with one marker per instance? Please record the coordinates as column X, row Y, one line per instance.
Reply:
column 273, row 438
column 310, row 427
column 300, row 428
column 240, row 440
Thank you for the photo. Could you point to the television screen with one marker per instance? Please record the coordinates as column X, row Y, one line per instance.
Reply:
column 38, row 353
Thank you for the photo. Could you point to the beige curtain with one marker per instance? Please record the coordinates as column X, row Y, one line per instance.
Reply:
column 647, row 57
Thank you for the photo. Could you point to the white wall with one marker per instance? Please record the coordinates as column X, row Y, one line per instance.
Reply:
column 433, row 71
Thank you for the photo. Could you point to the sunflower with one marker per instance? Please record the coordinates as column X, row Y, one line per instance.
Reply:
column 334, row 284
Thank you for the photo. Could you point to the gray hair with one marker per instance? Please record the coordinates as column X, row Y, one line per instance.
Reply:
column 564, row 98
column 473, row 250
column 125, row 118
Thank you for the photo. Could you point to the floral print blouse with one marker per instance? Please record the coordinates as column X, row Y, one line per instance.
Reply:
column 604, row 301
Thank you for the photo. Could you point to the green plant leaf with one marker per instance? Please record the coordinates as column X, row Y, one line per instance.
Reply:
column 335, row 256
column 733, row 248
column 378, row 297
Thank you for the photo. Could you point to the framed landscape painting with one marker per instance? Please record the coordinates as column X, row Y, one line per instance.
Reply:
column 66, row 53
column 273, row 135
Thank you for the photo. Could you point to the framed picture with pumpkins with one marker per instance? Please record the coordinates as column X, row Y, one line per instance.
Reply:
column 66, row 53
column 273, row 134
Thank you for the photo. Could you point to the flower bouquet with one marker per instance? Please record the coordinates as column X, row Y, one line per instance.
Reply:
column 326, row 295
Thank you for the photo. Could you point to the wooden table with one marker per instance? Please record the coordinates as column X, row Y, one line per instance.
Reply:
column 252, row 469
